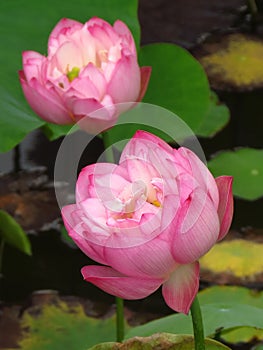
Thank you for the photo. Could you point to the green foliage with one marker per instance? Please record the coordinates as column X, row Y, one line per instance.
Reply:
column 217, row 117
column 12, row 233
column 178, row 82
column 246, row 165
column 236, row 310
column 60, row 327
column 154, row 119
column 25, row 25
column 16, row 118
column 160, row 341
column 54, row 131
column 233, row 294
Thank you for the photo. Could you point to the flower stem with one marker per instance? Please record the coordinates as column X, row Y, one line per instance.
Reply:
column 119, row 319
column 119, row 302
column 197, row 325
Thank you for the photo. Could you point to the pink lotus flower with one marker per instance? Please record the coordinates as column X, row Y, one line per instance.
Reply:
column 148, row 220
column 89, row 66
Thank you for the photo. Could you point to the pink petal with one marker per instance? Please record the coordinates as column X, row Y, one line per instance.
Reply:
column 96, row 21
column 113, row 282
column 101, row 180
column 32, row 63
column 83, row 88
column 124, row 85
column 101, row 34
column 145, row 78
column 68, row 56
column 121, row 29
column 45, row 102
column 63, row 29
column 140, row 170
column 151, row 150
column 181, row 288
column 64, row 25
column 151, row 259
column 86, row 107
column 96, row 77
column 91, row 115
column 143, row 141
column 72, row 220
column 226, row 205
column 195, row 229
column 197, row 169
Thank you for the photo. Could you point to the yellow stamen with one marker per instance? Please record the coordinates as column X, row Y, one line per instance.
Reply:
column 156, row 203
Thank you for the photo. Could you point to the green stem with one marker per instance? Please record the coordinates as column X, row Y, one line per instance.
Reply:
column 119, row 319
column 197, row 325
column 2, row 245
column 119, row 302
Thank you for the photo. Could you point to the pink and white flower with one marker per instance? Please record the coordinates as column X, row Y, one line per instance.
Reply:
column 148, row 220
column 89, row 66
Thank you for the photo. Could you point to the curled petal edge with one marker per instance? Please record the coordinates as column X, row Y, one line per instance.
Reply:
column 117, row 284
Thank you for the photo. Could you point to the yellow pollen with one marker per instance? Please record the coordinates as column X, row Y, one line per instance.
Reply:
column 156, row 203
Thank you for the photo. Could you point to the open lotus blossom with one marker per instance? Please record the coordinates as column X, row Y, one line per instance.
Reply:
column 89, row 66
column 148, row 220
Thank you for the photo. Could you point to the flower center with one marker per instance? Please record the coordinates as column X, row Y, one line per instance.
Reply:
column 73, row 73
column 131, row 202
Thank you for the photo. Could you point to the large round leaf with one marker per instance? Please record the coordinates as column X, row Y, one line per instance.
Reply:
column 217, row 117
column 231, row 294
column 239, row 258
column 63, row 326
column 246, row 165
column 216, row 317
column 178, row 82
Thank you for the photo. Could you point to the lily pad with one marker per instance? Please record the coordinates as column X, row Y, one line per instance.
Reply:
column 62, row 326
column 242, row 334
column 217, row 317
column 178, row 82
column 234, row 61
column 241, row 258
column 246, row 165
column 216, row 118
column 159, row 341
column 234, row 294
column 231, row 294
